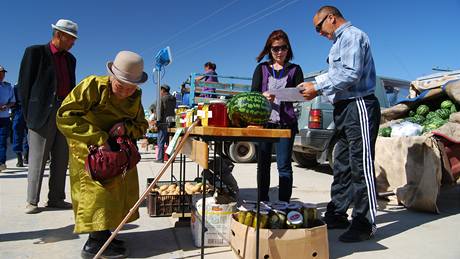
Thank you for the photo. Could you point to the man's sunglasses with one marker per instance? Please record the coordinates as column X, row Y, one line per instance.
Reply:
column 279, row 48
column 319, row 26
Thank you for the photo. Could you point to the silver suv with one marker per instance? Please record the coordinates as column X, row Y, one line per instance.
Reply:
column 315, row 142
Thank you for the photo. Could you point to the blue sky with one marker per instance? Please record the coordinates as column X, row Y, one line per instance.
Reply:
column 408, row 38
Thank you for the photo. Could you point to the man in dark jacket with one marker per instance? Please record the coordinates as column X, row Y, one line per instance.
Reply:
column 165, row 118
column 46, row 76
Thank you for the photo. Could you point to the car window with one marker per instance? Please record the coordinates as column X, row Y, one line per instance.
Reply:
column 395, row 90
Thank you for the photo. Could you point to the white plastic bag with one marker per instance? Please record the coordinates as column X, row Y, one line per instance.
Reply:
column 406, row 128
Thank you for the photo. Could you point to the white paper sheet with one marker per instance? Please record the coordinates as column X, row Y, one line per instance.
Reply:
column 292, row 94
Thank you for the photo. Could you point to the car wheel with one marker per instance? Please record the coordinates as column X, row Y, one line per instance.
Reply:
column 242, row 152
column 304, row 159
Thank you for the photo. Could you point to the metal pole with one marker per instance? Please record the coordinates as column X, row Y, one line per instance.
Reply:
column 158, row 93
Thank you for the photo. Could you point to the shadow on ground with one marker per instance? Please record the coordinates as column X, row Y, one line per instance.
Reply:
column 45, row 235
column 397, row 221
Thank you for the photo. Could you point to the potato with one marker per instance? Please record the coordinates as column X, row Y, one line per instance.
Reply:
column 189, row 189
column 196, row 188
column 163, row 187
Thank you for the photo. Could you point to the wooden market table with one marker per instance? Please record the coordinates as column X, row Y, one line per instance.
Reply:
column 199, row 153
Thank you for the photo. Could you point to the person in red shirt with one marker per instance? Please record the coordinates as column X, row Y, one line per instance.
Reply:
column 46, row 76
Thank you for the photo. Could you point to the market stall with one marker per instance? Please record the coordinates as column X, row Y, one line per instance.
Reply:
column 415, row 150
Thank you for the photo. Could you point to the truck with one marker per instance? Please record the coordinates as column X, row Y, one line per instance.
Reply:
column 316, row 139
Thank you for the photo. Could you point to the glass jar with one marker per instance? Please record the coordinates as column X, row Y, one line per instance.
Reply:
column 217, row 115
column 263, row 215
column 249, row 218
column 179, row 110
column 277, row 219
column 310, row 212
column 294, row 220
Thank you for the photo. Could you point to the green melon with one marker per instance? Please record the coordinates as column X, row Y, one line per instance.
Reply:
column 385, row 132
column 446, row 104
column 249, row 108
column 423, row 110
column 419, row 119
column 443, row 113
column 431, row 115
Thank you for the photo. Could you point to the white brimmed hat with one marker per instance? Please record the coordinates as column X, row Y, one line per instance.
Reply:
column 128, row 67
column 2, row 69
column 66, row 26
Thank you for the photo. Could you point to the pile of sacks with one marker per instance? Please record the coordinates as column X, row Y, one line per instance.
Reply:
column 415, row 165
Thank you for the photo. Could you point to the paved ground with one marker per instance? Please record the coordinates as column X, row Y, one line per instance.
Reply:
column 401, row 234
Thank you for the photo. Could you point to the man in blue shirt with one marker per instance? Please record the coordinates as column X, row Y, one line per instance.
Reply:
column 349, row 84
column 6, row 101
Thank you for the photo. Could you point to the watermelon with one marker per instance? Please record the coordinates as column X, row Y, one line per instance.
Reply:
column 443, row 113
column 434, row 124
column 453, row 109
column 446, row 104
column 419, row 119
column 249, row 108
column 411, row 113
column 431, row 115
column 385, row 132
column 423, row 110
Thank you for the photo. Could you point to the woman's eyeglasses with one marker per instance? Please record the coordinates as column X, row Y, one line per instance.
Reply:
column 319, row 26
column 279, row 48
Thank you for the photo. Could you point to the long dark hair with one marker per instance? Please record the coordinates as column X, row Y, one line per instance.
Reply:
column 275, row 35
column 210, row 65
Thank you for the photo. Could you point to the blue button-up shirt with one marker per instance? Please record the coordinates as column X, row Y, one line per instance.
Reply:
column 351, row 72
column 6, row 96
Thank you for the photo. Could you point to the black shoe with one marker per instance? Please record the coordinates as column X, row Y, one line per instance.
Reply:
column 354, row 235
column 92, row 246
column 158, row 161
column 336, row 222
column 20, row 162
column 104, row 235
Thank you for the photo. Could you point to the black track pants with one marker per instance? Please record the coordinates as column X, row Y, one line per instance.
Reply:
column 357, row 123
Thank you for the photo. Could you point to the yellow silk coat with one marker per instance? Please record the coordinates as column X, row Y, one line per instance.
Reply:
column 85, row 117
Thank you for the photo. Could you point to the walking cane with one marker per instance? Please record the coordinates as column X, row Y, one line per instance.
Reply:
column 147, row 191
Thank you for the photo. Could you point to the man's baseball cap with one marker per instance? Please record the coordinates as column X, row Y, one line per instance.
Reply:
column 2, row 69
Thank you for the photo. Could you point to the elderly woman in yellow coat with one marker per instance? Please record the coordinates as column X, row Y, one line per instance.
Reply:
column 85, row 118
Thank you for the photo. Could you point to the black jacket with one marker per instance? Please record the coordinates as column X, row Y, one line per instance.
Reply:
column 168, row 104
column 37, row 84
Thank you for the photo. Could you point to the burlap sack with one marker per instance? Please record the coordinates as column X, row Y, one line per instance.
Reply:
column 448, row 137
column 452, row 89
column 411, row 167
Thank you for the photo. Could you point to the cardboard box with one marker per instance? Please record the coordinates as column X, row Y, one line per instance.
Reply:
column 279, row 243
column 218, row 218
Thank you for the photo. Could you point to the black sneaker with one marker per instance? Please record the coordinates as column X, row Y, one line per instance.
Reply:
column 92, row 246
column 353, row 235
column 336, row 222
